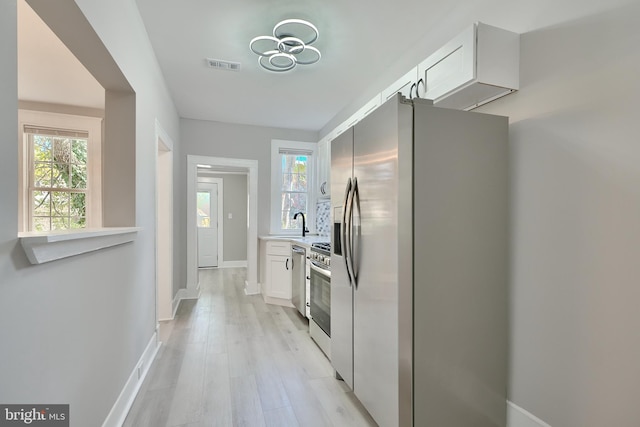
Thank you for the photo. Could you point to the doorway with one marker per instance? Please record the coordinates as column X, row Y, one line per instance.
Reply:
column 250, row 167
column 209, row 200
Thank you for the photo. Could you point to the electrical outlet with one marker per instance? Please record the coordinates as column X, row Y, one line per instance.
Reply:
column 230, row 215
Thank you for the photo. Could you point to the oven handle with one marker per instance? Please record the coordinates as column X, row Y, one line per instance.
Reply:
column 319, row 269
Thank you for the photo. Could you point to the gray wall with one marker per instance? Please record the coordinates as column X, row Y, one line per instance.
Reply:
column 216, row 139
column 234, row 202
column 73, row 330
column 575, row 153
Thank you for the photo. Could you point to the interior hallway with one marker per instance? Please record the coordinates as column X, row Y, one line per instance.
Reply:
column 229, row 359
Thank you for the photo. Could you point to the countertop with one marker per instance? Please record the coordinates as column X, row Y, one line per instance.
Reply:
column 298, row 240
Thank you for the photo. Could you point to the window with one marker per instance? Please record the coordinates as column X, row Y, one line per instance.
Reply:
column 292, row 181
column 60, row 182
column 57, row 179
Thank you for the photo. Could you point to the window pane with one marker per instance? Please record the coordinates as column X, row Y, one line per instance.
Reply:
column 285, row 215
column 300, row 182
column 41, row 203
column 299, row 202
column 77, row 222
column 78, row 176
column 60, row 176
column 204, row 209
column 79, row 149
column 59, row 204
column 42, row 174
column 59, row 223
column 41, row 223
column 78, row 206
column 42, row 148
column 291, row 204
column 61, row 150
column 294, row 182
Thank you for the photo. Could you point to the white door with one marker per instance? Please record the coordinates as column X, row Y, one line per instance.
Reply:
column 207, row 221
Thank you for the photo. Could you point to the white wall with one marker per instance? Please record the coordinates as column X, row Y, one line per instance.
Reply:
column 575, row 317
column 73, row 330
column 216, row 139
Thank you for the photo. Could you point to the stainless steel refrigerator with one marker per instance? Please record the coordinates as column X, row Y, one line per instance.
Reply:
column 420, row 264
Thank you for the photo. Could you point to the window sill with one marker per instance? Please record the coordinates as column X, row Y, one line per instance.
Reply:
column 42, row 247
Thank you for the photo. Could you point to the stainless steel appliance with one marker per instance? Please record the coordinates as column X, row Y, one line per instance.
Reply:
column 419, row 273
column 320, row 301
column 299, row 279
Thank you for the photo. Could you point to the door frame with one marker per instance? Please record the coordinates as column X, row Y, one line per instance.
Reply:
column 222, row 164
column 220, row 202
column 165, row 307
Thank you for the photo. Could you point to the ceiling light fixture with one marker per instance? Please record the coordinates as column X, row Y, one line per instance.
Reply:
column 290, row 45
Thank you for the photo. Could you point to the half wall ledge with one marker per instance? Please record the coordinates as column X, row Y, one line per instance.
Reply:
column 41, row 247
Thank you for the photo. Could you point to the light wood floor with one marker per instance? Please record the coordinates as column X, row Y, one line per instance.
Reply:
column 229, row 359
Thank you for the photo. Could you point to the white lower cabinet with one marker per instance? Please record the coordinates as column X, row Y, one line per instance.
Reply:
column 277, row 269
column 279, row 276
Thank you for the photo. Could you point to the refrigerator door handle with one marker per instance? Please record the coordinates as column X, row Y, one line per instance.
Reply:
column 343, row 234
column 349, row 237
column 355, row 230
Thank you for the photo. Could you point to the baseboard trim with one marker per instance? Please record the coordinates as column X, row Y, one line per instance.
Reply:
column 278, row 301
column 183, row 293
column 251, row 288
column 174, row 305
column 130, row 390
column 519, row 417
column 234, row 264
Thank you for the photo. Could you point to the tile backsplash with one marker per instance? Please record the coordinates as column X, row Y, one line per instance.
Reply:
column 323, row 219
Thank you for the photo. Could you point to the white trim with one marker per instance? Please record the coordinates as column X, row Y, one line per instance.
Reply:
column 42, row 247
column 519, row 417
column 220, row 201
column 123, row 403
column 234, row 264
column 180, row 295
column 276, row 177
column 252, row 289
column 251, row 285
column 174, row 304
column 92, row 125
column 164, row 223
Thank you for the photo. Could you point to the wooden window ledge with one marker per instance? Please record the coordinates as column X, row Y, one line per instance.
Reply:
column 42, row 247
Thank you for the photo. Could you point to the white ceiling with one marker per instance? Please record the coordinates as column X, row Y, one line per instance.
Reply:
column 365, row 44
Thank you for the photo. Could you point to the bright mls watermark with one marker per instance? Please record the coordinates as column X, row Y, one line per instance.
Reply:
column 34, row 415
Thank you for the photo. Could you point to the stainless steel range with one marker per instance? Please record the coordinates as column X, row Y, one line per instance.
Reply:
column 320, row 325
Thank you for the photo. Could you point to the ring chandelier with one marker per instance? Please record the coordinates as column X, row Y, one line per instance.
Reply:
column 290, row 45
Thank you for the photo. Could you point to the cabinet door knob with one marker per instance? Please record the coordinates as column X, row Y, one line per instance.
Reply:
column 286, row 264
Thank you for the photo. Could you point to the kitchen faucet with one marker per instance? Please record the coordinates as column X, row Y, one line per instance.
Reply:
column 304, row 223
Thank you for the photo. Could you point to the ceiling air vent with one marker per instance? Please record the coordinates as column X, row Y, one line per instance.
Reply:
column 223, row 65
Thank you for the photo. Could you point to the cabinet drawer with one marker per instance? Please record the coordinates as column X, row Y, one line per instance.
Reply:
column 279, row 248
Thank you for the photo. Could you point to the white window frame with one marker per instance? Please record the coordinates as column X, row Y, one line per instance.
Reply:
column 278, row 145
column 91, row 125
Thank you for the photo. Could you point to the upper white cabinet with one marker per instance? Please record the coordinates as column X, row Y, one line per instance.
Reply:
column 324, row 145
column 407, row 85
column 324, row 168
column 479, row 65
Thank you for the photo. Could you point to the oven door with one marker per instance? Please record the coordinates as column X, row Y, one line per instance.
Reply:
column 321, row 297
